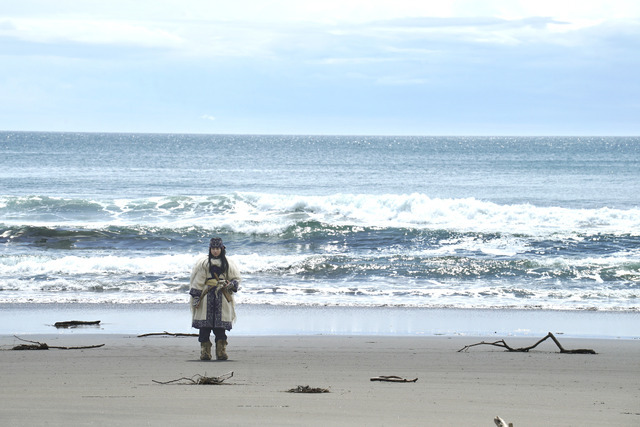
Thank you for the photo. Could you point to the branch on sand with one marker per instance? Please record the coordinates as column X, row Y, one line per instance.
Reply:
column 393, row 379
column 501, row 423
column 199, row 380
column 503, row 344
column 35, row 345
column 171, row 334
column 76, row 323
column 307, row 389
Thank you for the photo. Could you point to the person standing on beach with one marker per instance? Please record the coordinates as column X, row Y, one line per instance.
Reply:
column 214, row 280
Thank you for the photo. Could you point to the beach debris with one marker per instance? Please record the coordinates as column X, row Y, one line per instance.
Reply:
column 35, row 345
column 199, row 380
column 393, row 379
column 76, row 323
column 179, row 334
column 501, row 423
column 307, row 389
column 39, row 346
column 503, row 344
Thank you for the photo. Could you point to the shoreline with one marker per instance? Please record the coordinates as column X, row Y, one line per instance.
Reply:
column 115, row 384
column 266, row 320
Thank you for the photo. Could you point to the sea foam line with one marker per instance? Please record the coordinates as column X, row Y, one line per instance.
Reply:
column 272, row 213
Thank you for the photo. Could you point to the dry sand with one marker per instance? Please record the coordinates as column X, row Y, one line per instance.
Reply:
column 113, row 385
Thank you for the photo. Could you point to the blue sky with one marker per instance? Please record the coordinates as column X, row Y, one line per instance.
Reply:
column 332, row 67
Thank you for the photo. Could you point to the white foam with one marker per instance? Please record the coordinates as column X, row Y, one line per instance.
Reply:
column 98, row 265
column 273, row 213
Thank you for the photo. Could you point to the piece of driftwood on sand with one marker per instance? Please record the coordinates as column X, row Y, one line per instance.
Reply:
column 198, row 380
column 76, row 323
column 35, row 345
column 393, row 379
column 503, row 344
column 171, row 334
column 308, row 389
column 501, row 423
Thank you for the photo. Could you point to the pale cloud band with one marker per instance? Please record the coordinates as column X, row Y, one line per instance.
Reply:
column 193, row 25
column 445, row 66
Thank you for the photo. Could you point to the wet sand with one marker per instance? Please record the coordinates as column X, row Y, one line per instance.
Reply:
column 257, row 320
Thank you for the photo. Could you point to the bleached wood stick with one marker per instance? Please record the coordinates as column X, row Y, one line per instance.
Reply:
column 501, row 423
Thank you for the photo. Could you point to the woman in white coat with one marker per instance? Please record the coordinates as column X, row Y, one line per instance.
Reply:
column 214, row 281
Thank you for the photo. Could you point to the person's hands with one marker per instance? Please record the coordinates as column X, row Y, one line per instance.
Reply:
column 233, row 285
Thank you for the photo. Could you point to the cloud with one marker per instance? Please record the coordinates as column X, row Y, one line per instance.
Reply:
column 286, row 61
column 287, row 31
column 98, row 32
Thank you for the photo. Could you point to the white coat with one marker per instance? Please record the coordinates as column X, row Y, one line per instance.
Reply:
column 203, row 314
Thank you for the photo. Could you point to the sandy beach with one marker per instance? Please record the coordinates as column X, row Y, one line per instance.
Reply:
column 114, row 384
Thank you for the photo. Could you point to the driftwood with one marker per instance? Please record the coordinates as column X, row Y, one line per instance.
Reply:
column 393, row 379
column 307, row 389
column 169, row 334
column 75, row 323
column 199, row 380
column 35, row 345
column 39, row 346
column 501, row 423
column 503, row 344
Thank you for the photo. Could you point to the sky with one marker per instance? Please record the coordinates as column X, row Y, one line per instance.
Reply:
column 349, row 67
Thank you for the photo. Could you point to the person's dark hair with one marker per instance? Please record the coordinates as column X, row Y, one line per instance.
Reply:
column 224, row 264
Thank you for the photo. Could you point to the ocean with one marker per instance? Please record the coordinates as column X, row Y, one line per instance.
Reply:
column 536, row 223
